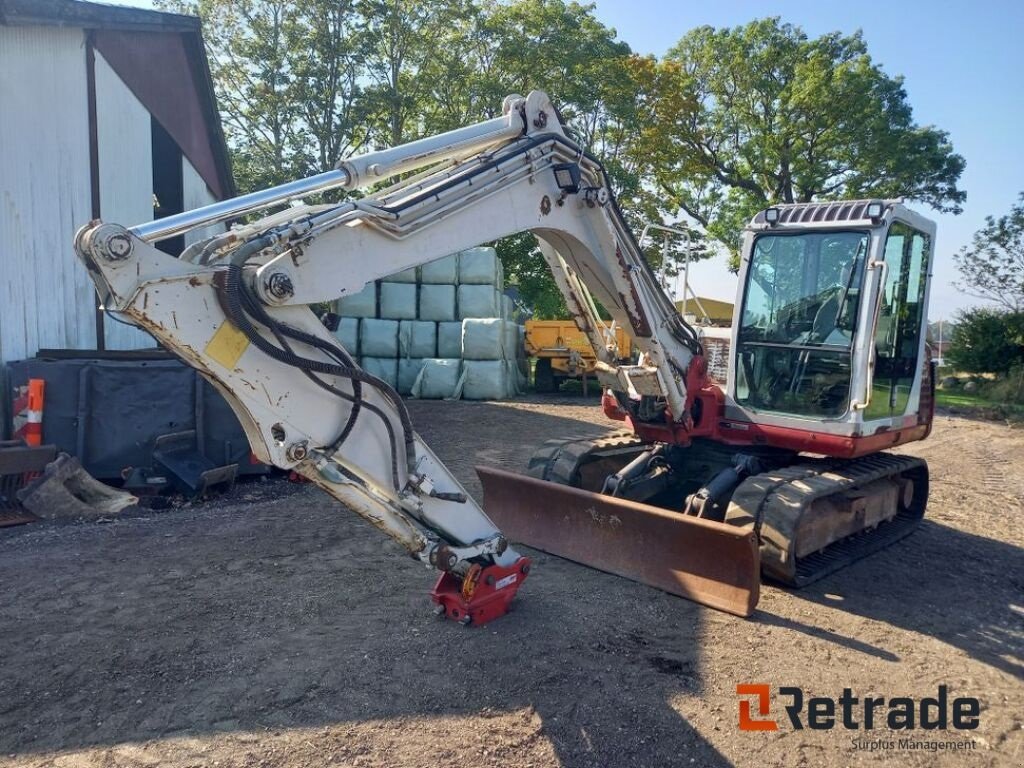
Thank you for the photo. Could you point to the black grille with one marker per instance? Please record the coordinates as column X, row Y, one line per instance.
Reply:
column 810, row 213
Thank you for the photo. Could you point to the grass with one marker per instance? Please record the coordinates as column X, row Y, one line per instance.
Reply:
column 976, row 404
column 962, row 399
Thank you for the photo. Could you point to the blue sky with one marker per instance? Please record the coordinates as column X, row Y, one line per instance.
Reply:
column 963, row 66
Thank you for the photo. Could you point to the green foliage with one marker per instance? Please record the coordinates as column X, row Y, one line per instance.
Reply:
column 731, row 120
column 780, row 117
column 987, row 341
column 526, row 268
column 289, row 79
column 992, row 266
column 999, row 400
column 1008, row 388
column 303, row 84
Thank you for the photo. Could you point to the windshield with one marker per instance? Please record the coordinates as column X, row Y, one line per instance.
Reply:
column 802, row 289
column 798, row 320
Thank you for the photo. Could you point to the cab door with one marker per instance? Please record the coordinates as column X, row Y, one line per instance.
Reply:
column 901, row 320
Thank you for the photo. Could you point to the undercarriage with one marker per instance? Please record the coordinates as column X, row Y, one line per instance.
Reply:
column 808, row 516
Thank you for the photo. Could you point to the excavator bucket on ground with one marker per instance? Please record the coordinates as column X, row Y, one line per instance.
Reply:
column 711, row 563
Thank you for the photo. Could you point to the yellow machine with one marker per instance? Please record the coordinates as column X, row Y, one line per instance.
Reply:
column 563, row 351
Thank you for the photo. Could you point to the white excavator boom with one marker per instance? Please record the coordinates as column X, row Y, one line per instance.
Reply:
column 234, row 306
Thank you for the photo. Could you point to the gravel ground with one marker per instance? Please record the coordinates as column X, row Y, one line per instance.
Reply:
column 273, row 628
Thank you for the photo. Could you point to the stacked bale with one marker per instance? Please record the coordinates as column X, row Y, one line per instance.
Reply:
column 378, row 344
column 444, row 330
column 362, row 304
column 488, row 361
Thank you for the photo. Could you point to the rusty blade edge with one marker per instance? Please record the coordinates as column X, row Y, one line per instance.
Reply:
column 710, row 563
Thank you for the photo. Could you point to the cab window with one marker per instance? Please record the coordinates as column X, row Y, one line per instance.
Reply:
column 799, row 315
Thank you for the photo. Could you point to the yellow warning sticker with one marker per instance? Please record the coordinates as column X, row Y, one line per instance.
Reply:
column 227, row 345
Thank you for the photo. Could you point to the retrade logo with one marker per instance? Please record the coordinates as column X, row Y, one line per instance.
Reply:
column 824, row 713
column 763, row 694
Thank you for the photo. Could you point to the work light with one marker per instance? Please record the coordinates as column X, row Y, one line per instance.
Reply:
column 771, row 215
column 567, row 177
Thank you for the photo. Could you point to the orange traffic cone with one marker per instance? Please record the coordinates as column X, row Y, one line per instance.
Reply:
column 29, row 412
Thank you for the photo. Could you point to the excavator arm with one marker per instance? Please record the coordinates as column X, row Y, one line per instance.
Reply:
column 235, row 307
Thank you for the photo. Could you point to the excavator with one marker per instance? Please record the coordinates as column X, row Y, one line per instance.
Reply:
column 784, row 472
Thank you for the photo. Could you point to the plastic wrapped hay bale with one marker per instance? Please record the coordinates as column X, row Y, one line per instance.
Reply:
column 362, row 304
column 409, row 275
column 486, row 380
column 478, row 301
column 378, row 338
column 417, row 338
column 408, row 371
column 385, row 368
column 438, row 379
column 508, row 308
column 518, row 376
column 521, row 358
column 480, row 266
column 510, row 336
column 483, row 339
column 449, row 339
column 443, row 271
column 348, row 334
column 398, row 301
column 437, row 302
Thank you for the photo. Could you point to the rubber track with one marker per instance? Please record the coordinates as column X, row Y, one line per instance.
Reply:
column 774, row 502
column 559, row 460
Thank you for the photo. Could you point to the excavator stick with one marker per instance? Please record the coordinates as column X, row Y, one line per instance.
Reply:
column 710, row 563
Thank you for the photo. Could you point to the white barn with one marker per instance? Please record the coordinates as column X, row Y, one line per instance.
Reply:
column 105, row 112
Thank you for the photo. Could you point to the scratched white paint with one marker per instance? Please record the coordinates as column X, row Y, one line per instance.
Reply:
column 196, row 195
column 126, row 175
column 46, row 297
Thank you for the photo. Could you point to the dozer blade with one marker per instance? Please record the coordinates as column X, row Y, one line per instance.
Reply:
column 710, row 563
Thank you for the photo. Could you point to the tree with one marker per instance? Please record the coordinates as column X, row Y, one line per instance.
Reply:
column 604, row 93
column 987, row 341
column 526, row 268
column 992, row 266
column 288, row 77
column 401, row 38
column 327, row 58
column 783, row 118
column 613, row 103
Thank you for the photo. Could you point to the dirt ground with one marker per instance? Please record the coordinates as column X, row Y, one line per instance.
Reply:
column 276, row 629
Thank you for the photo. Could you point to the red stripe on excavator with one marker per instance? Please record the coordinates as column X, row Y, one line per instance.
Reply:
column 711, row 424
column 742, row 433
column 806, row 441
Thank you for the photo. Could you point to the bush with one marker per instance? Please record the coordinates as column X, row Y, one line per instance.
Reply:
column 987, row 341
column 1008, row 389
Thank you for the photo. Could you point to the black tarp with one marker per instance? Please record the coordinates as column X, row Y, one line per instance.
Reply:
column 108, row 412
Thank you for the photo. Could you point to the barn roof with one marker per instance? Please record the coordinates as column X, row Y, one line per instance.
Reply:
column 75, row 13
column 149, row 51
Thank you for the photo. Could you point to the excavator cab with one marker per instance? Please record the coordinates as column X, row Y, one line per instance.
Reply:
column 827, row 368
column 829, row 334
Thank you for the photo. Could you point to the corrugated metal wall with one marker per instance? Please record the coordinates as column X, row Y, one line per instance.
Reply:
column 196, row 196
column 126, row 175
column 46, row 297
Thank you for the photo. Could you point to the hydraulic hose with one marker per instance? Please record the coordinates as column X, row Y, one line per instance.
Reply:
column 236, row 299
